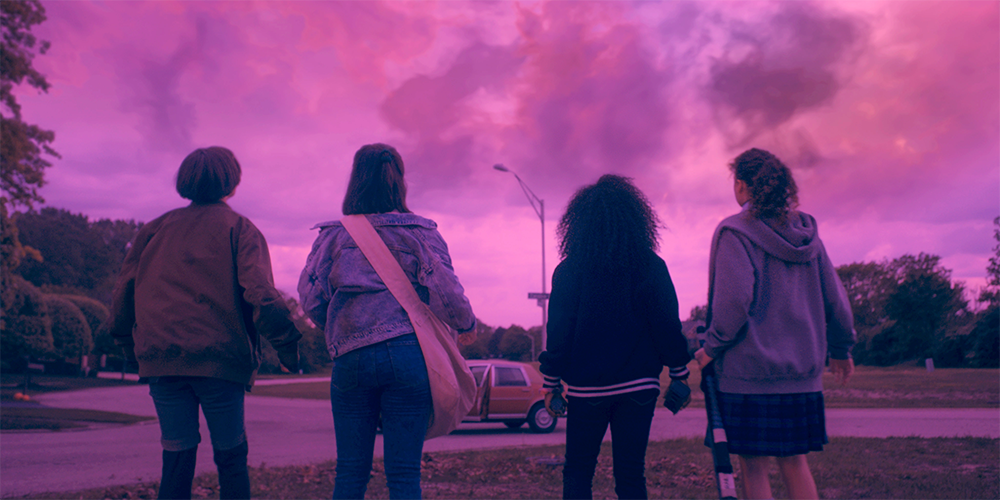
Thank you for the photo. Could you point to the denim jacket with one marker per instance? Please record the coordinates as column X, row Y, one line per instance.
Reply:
column 344, row 295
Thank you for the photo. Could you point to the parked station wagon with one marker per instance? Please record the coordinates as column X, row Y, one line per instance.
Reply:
column 509, row 392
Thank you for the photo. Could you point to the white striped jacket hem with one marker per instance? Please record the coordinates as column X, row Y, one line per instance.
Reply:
column 640, row 384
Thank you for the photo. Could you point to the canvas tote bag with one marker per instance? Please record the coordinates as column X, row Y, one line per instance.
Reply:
column 453, row 388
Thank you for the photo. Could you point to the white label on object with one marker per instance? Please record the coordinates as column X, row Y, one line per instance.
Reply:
column 719, row 435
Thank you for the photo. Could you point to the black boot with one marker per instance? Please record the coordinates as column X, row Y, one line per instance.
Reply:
column 178, row 473
column 234, row 478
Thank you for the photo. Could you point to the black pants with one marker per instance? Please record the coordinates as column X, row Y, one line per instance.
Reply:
column 178, row 473
column 587, row 420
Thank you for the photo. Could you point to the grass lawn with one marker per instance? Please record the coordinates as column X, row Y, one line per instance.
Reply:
column 849, row 468
column 39, row 417
column 869, row 387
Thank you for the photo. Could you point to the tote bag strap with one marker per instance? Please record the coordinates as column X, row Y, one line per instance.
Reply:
column 385, row 264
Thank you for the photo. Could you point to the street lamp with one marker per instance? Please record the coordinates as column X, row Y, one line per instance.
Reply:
column 539, row 205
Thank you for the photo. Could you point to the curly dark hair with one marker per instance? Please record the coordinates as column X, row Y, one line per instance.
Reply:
column 773, row 193
column 608, row 225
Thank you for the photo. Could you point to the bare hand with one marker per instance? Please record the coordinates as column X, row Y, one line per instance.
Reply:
column 467, row 338
column 842, row 369
column 702, row 358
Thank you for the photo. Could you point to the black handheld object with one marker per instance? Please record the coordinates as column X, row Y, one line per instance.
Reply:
column 724, row 480
column 677, row 397
column 558, row 402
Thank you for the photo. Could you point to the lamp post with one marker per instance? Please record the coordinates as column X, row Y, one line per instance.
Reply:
column 539, row 205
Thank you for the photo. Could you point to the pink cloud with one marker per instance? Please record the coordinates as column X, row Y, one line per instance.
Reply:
column 888, row 112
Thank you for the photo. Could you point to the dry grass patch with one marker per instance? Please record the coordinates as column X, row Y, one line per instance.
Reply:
column 915, row 468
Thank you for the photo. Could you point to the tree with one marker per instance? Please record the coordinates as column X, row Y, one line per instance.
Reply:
column 28, row 331
column 96, row 314
column 515, row 344
column 868, row 286
column 71, row 335
column 902, row 308
column 990, row 294
column 699, row 313
column 22, row 166
column 78, row 256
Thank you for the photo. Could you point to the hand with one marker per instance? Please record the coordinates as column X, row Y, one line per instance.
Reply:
column 702, row 358
column 842, row 369
column 549, row 397
column 467, row 338
column 289, row 360
column 678, row 396
column 548, row 403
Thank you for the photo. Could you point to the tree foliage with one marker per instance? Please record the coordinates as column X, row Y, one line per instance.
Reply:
column 78, row 256
column 22, row 166
column 990, row 294
column 71, row 335
column 96, row 314
column 903, row 309
column 28, row 328
column 516, row 344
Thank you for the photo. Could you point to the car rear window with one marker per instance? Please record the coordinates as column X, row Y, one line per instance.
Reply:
column 508, row 376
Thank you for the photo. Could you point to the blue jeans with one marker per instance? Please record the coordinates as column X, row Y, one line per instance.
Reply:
column 630, row 416
column 177, row 400
column 387, row 379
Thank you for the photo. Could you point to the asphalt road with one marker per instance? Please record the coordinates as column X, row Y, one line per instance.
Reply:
column 297, row 431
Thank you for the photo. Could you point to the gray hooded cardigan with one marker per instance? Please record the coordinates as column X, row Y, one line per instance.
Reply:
column 776, row 306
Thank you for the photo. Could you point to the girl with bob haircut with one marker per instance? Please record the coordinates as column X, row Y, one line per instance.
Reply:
column 776, row 310
column 193, row 297
column 613, row 326
column 379, row 369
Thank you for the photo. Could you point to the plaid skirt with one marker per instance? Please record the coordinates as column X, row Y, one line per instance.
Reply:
column 774, row 425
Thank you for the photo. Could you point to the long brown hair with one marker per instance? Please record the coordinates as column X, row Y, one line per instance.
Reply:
column 377, row 183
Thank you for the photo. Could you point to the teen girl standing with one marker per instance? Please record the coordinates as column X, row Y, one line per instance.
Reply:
column 776, row 309
column 613, row 326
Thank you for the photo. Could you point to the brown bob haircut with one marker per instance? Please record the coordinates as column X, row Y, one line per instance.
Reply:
column 377, row 185
column 208, row 175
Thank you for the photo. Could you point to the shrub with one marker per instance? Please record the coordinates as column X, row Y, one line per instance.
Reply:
column 71, row 333
column 27, row 328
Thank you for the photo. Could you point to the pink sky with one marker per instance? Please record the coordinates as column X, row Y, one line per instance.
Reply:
column 888, row 113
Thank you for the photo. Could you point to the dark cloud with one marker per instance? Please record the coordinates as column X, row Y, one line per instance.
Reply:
column 430, row 108
column 587, row 101
column 779, row 66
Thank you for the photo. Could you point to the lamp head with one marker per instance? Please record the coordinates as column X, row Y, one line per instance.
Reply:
column 500, row 167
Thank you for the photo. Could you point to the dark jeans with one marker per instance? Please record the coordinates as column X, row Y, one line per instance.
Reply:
column 177, row 400
column 587, row 420
column 387, row 379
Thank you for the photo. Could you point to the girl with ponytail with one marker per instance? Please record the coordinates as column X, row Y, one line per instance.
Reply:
column 776, row 311
column 379, row 370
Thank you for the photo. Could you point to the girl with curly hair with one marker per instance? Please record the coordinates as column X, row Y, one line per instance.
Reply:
column 613, row 326
column 776, row 310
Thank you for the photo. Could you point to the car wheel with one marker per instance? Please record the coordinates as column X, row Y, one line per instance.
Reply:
column 540, row 420
column 514, row 424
